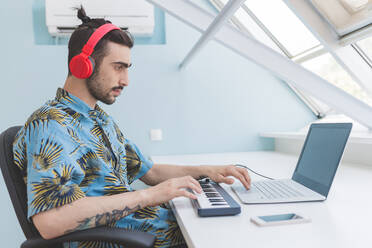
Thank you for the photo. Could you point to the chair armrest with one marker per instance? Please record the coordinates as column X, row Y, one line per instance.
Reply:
column 107, row 234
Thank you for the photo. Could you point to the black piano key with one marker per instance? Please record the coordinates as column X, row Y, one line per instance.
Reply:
column 219, row 204
column 210, row 190
column 216, row 200
column 212, row 195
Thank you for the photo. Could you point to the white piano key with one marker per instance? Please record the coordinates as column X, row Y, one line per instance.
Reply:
column 204, row 202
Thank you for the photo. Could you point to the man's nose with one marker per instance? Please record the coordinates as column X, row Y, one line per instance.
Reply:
column 124, row 81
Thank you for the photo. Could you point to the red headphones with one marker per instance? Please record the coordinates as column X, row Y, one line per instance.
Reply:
column 82, row 65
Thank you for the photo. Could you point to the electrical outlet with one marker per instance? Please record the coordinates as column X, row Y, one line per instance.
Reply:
column 156, row 134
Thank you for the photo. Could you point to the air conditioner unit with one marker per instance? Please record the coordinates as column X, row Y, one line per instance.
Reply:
column 136, row 15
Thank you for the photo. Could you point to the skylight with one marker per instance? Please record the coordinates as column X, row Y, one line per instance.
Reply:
column 345, row 16
column 278, row 22
column 273, row 20
column 284, row 25
column 326, row 67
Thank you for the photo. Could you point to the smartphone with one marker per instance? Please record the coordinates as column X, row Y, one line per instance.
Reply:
column 279, row 219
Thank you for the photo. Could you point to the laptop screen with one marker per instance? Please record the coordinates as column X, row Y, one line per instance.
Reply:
column 321, row 155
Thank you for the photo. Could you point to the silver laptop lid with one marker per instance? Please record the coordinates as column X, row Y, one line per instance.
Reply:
column 321, row 155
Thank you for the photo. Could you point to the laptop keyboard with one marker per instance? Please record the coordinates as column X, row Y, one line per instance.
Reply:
column 271, row 190
column 276, row 189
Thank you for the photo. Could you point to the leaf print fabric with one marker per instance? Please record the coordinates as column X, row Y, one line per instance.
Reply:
column 67, row 151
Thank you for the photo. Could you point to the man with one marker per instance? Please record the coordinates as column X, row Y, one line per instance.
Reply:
column 78, row 166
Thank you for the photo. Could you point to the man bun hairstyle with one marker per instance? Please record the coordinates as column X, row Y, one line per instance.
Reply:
column 82, row 15
column 83, row 32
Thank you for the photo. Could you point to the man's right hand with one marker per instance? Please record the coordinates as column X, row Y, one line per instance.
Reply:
column 171, row 188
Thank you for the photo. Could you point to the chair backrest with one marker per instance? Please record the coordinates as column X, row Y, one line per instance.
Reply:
column 14, row 181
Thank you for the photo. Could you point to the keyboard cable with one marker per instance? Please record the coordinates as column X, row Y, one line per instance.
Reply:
column 246, row 167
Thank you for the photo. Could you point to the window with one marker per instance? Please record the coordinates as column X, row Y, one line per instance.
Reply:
column 278, row 22
column 284, row 25
column 273, row 20
column 345, row 16
column 326, row 67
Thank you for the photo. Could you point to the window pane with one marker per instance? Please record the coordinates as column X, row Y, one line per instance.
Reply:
column 326, row 67
column 293, row 44
column 283, row 24
column 244, row 22
column 366, row 46
column 243, row 17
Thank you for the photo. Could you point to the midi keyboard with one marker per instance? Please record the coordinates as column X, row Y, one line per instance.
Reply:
column 214, row 201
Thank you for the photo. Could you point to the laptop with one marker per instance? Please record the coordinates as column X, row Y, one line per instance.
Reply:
column 316, row 167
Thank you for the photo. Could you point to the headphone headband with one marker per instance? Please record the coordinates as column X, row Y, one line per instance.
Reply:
column 96, row 37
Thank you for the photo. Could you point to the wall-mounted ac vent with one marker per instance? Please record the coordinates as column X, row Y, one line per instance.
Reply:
column 136, row 15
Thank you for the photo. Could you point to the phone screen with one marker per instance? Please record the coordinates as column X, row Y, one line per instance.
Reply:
column 279, row 217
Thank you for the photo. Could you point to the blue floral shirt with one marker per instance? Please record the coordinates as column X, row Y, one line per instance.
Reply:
column 67, row 151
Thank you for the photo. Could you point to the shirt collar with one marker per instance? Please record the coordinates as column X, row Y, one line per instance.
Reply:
column 80, row 106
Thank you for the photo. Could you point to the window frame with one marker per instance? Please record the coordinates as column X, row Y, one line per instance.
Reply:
column 362, row 54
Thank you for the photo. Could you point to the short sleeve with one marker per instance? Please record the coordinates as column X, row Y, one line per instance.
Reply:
column 53, row 177
column 137, row 164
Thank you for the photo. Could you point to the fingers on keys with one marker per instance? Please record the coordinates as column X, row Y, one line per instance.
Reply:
column 191, row 183
column 243, row 176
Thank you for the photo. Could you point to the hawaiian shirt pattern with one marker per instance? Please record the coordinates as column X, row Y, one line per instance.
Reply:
column 67, row 151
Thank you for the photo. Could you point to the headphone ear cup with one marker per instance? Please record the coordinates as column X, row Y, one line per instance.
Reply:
column 81, row 66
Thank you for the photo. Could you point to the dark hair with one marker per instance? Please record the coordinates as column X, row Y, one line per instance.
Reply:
column 83, row 32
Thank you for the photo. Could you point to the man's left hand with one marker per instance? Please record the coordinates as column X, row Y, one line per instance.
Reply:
column 220, row 174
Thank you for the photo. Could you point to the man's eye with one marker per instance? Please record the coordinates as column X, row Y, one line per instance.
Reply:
column 119, row 67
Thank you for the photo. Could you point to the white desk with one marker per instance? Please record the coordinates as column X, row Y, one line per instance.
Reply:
column 344, row 220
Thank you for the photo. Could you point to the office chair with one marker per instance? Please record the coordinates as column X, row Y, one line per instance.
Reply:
column 18, row 195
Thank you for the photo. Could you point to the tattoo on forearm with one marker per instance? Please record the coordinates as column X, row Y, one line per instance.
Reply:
column 103, row 219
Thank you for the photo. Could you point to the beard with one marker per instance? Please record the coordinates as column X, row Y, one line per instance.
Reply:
column 98, row 91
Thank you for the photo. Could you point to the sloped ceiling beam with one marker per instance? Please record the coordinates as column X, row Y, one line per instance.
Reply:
column 269, row 59
column 230, row 8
